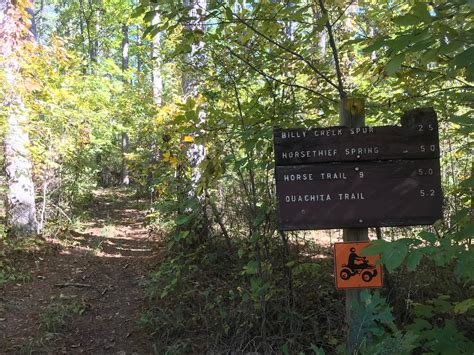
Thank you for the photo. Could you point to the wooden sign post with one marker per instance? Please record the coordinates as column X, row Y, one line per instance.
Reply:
column 352, row 115
column 354, row 177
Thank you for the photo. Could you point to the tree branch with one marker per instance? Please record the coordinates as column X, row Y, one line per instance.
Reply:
column 342, row 13
column 268, row 76
column 288, row 50
column 332, row 43
column 432, row 92
column 438, row 73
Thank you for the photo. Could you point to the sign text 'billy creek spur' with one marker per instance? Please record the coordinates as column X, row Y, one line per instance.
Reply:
column 341, row 177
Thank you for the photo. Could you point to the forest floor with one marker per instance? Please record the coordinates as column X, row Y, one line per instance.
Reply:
column 86, row 293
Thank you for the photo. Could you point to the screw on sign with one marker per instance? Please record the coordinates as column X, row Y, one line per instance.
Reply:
column 352, row 270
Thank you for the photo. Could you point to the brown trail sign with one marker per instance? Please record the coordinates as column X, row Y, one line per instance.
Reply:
column 354, row 195
column 359, row 177
column 416, row 138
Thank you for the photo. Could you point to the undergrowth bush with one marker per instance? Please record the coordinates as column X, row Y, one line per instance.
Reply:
column 212, row 300
column 209, row 299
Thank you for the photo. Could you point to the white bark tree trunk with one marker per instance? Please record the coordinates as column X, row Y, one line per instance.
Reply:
column 157, row 92
column 157, row 79
column 20, row 199
column 189, row 81
column 125, row 139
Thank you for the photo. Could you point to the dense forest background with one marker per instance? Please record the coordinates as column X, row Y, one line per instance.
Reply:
column 177, row 101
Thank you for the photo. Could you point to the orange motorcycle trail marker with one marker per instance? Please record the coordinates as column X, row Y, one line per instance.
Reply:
column 353, row 270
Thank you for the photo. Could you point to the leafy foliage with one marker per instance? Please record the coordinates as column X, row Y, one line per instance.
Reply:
column 229, row 276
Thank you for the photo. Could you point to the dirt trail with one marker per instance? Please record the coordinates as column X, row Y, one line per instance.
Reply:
column 86, row 297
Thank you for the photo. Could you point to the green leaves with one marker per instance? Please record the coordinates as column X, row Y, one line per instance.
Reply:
column 420, row 10
column 317, row 350
column 229, row 15
column 419, row 14
column 393, row 66
column 464, row 59
column 407, row 20
column 442, row 335
column 464, row 306
column 368, row 314
column 251, row 268
column 465, row 265
column 393, row 254
column 430, row 237
column 183, row 219
column 414, row 259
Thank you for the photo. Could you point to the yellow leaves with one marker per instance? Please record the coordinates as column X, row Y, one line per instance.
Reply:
column 168, row 157
column 201, row 99
column 458, row 154
column 132, row 157
column 174, row 162
column 167, row 109
column 165, row 112
column 188, row 139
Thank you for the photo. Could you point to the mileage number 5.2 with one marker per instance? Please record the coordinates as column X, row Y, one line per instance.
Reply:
column 427, row 193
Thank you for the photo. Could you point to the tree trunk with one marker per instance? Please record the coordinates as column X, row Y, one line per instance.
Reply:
column 157, row 80
column 125, row 143
column 190, row 86
column 157, row 91
column 20, row 199
column 139, row 55
column 97, row 53
column 81, row 29
column 125, row 140
column 321, row 43
column 125, row 46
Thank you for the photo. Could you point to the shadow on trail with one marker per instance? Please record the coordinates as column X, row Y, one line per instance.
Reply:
column 87, row 296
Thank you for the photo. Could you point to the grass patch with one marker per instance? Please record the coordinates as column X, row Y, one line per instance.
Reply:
column 10, row 273
column 58, row 316
column 10, row 249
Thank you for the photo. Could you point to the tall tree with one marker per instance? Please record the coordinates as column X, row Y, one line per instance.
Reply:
column 157, row 79
column 125, row 138
column 20, row 199
column 189, row 82
column 190, row 86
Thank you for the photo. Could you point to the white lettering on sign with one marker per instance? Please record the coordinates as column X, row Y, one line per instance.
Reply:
column 362, row 130
column 333, row 176
column 328, row 132
column 429, row 127
column 293, row 134
column 309, row 153
column 364, row 150
column 307, row 198
column 351, row 196
column 298, row 177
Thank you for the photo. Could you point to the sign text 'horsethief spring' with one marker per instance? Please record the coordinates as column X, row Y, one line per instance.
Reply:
column 341, row 177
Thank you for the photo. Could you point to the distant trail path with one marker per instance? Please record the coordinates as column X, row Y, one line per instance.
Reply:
column 88, row 296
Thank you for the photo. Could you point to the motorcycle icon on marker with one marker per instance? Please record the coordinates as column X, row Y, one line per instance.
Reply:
column 364, row 269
